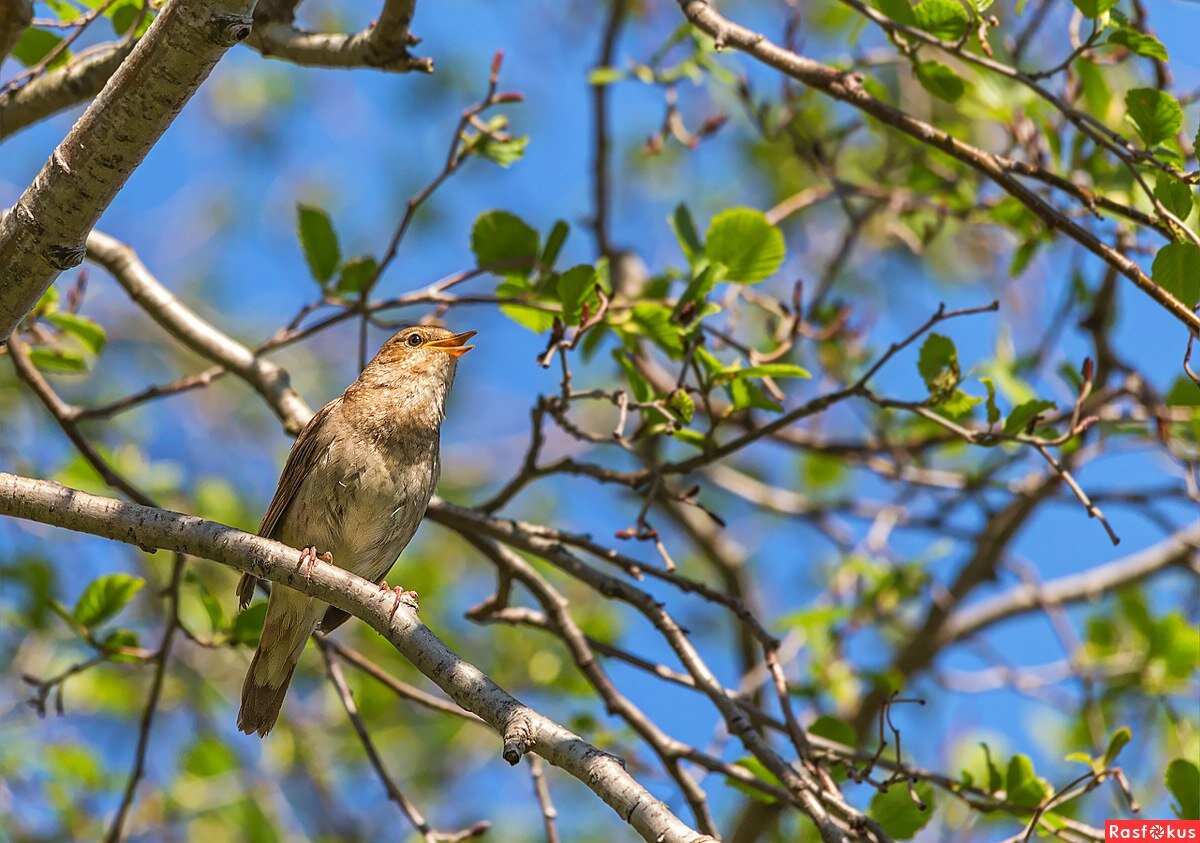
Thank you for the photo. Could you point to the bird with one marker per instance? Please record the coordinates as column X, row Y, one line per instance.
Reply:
column 352, row 492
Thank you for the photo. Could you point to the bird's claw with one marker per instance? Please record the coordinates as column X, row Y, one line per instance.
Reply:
column 401, row 595
column 309, row 557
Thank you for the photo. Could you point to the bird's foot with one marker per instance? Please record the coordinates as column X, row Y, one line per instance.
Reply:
column 309, row 557
column 401, row 595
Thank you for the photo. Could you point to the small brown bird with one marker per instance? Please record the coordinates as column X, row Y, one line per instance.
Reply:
column 355, row 485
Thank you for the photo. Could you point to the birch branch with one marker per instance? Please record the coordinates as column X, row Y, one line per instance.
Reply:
column 268, row 378
column 44, row 233
column 1183, row 549
column 523, row 729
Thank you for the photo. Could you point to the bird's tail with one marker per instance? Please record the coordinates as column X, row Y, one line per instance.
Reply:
column 291, row 618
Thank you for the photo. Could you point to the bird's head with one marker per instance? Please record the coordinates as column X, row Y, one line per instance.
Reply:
column 420, row 354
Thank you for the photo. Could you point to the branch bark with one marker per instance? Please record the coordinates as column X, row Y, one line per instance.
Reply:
column 522, row 728
column 1183, row 548
column 383, row 45
column 268, row 378
column 44, row 233
column 81, row 79
column 15, row 17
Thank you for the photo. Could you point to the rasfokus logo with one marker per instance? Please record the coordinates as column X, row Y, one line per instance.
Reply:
column 1152, row 830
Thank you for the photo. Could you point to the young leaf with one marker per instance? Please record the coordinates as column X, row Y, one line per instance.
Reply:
column 1139, row 43
column 1094, row 8
column 356, row 274
column 939, row 80
column 748, row 246
column 518, row 287
column 945, row 19
column 576, row 286
column 901, row 11
column 90, row 334
column 1183, row 780
column 765, row 370
column 504, row 243
column 319, row 242
column 993, row 412
column 1022, row 414
column 1175, row 196
column 35, row 44
column 685, row 231
column 605, row 75
column 105, row 597
column 898, row 813
column 554, row 243
column 1116, row 743
column 504, row 152
column 1176, row 269
column 58, row 360
column 1022, row 784
column 1154, row 113
column 938, row 362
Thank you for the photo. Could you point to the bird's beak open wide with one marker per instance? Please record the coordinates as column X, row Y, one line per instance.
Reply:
column 455, row 346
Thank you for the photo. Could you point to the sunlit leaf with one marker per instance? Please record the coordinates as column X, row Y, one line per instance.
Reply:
column 749, row 247
column 318, row 240
column 1176, row 269
column 1154, row 113
column 105, row 597
column 899, row 814
column 504, row 243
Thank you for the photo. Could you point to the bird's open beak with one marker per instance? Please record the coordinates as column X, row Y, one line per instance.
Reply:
column 455, row 346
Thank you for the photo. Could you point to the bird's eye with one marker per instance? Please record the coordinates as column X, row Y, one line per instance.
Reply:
column 413, row 340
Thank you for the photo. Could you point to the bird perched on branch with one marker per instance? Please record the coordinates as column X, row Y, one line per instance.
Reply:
column 353, row 491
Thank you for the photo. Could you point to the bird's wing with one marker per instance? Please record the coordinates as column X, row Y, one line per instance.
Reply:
column 299, row 461
column 301, row 458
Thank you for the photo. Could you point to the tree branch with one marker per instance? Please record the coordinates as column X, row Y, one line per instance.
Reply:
column 523, row 729
column 268, row 378
column 44, row 233
column 15, row 17
column 1183, row 548
column 848, row 87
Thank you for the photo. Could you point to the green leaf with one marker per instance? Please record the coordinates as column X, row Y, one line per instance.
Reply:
column 319, row 242
column 682, row 405
column 765, row 370
column 120, row 639
column 35, row 44
column 1183, row 780
column 938, row 363
column 505, row 152
column 1116, row 743
column 957, row 404
column 685, row 232
column 105, row 597
column 1022, row 784
column 698, row 288
column 939, row 80
column 746, row 395
column 504, row 243
column 1175, row 196
column 898, row 813
column 518, row 287
column 1155, row 114
column 90, row 333
column 1022, row 414
column 746, row 244
column 58, row 360
column 993, row 412
column 554, row 243
column 901, row 11
column 1080, row 758
column 1176, row 269
column 945, row 19
column 638, row 385
column 760, row 772
column 654, row 321
column 1184, row 393
column 209, row 756
column 827, row 726
column 605, row 75
column 247, row 626
column 125, row 14
column 575, row 287
column 356, row 274
column 1139, row 43
column 1094, row 8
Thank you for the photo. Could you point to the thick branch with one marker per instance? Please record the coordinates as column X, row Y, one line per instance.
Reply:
column 848, row 87
column 44, row 232
column 269, row 379
column 1180, row 549
column 523, row 729
column 15, row 16
column 80, row 80
column 383, row 45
